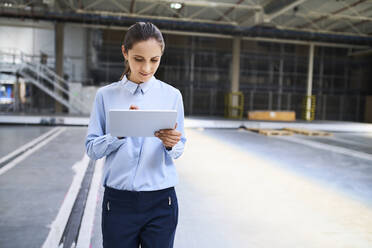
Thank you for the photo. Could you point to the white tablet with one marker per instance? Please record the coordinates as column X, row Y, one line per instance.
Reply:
column 140, row 123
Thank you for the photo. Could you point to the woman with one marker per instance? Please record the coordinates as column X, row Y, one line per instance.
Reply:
column 139, row 203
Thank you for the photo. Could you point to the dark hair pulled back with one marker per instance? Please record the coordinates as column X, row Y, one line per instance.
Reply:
column 140, row 31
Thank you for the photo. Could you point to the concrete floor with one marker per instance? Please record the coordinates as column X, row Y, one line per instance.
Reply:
column 32, row 192
column 16, row 136
column 237, row 189
column 248, row 190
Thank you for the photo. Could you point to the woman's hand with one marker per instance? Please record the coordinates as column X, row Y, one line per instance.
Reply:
column 169, row 137
column 133, row 107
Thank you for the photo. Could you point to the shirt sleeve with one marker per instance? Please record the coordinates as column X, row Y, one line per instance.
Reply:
column 178, row 148
column 99, row 144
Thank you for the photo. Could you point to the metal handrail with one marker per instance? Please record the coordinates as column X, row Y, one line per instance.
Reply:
column 52, row 82
column 44, row 72
column 19, row 55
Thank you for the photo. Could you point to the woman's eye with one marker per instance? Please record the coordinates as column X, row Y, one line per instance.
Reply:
column 141, row 60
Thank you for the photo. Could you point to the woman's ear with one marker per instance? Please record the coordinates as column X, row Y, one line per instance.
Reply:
column 124, row 52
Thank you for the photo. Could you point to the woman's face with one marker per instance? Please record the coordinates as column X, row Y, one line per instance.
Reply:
column 143, row 59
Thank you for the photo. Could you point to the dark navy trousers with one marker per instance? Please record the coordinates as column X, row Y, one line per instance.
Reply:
column 133, row 218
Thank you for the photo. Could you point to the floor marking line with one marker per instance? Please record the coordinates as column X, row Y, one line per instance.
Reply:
column 86, row 229
column 58, row 225
column 350, row 142
column 26, row 146
column 331, row 148
column 20, row 158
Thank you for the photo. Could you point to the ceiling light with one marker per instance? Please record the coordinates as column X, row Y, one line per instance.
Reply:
column 176, row 5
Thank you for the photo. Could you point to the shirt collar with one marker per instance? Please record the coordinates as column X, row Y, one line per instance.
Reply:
column 132, row 87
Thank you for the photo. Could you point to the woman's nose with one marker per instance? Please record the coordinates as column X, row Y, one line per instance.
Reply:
column 146, row 68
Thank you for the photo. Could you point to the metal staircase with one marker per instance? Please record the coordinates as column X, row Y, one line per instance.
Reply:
column 16, row 62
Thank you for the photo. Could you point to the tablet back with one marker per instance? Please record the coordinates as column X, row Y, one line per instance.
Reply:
column 140, row 123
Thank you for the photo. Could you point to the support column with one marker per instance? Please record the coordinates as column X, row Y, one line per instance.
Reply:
column 281, row 69
column 59, row 36
column 309, row 82
column 320, row 91
column 235, row 64
column 235, row 72
column 16, row 103
column 192, row 76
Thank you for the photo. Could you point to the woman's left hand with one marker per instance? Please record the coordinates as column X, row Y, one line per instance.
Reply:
column 169, row 137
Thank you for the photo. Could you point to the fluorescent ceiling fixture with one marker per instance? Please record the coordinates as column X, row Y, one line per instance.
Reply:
column 176, row 5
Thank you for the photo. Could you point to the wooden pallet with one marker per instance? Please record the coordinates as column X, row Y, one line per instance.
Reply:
column 308, row 132
column 270, row 132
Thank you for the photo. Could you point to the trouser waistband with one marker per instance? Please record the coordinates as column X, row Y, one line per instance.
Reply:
column 126, row 193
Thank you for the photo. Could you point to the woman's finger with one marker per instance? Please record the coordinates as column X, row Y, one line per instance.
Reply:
column 166, row 139
column 170, row 131
column 169, row 137
column 175, row 137
column 167, row 144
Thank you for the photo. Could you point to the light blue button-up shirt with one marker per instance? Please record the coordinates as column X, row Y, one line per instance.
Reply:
column 135, row 163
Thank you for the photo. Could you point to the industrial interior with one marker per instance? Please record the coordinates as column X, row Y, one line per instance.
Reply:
column 277, row 98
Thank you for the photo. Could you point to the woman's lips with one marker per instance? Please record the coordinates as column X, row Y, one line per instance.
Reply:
column 145, row 75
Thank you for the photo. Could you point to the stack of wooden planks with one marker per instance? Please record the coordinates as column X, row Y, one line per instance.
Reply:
column 272, row 115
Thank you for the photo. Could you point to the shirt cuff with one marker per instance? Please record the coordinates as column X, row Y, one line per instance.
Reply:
column 172, row 151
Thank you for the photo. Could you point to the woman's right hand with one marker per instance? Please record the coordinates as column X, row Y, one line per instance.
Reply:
column 133, row 107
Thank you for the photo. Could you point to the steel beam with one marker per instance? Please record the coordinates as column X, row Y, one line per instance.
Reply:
column 223, row 36
column 209, row 4
column 136, row 15
column 270, row 17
